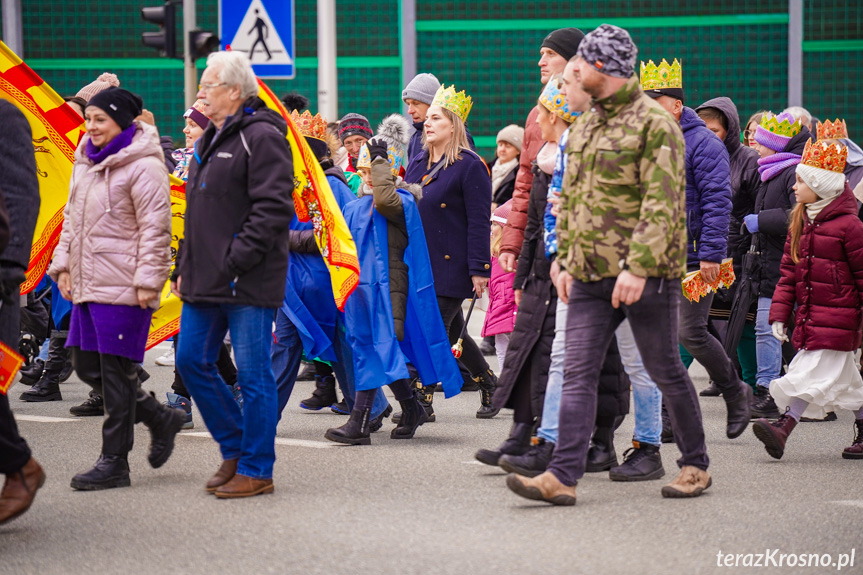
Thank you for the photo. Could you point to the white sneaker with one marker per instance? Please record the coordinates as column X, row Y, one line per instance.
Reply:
column 166, row 360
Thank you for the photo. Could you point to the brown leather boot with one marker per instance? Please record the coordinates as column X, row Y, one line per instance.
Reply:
column 856, row 449
column 20, row 490
column 690, row 482
column 543, row 487
column 774, row 435
column 226, row 472
column 244, row 486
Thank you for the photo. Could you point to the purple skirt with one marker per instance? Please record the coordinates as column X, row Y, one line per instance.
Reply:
column 110, row 329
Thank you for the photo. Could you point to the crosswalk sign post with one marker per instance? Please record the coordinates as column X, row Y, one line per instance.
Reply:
column 264, row 31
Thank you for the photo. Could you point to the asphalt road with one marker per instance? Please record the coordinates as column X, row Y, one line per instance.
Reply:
column 424, row 506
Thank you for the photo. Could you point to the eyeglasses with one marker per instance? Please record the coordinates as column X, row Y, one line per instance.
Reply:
column 208, row 87
column 748, row 133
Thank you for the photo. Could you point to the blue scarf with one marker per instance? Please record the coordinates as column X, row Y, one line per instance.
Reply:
column 119, row 142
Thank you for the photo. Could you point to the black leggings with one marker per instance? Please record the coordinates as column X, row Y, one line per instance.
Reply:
column 453, row 320
column 401, row 390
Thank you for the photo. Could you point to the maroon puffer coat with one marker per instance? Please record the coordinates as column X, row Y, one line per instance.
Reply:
column 827, row 282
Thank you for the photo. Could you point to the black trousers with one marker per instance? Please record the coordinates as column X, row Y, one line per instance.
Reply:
column 453, row 320
column 14, row 452
column 115, row 378
column 225, row 365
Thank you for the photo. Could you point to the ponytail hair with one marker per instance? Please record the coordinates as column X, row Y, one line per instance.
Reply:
column 795, row 228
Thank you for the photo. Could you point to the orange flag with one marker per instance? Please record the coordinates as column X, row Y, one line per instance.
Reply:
column 314, row 200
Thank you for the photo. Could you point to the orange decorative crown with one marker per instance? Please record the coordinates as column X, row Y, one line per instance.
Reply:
column 825, row 156
column 832, row 130
column 310, row 126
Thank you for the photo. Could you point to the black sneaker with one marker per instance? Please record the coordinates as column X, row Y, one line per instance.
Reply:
column 93, row 406
column 532, row 463
column 641, row 462
column 712, row 390
column 831, row 416
column 341, row 408
column 323, row 396
column 766, row 408
column 667, row 433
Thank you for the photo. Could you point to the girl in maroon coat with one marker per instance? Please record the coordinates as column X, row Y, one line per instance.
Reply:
column 822, row 274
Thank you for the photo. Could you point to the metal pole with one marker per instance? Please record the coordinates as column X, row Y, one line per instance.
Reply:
column 408, row 40
column 795, row 52
column 190, row 83
column 328, row 85
column 13, row 31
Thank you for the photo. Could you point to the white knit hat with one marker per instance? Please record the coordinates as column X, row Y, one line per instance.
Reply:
column 825, row 183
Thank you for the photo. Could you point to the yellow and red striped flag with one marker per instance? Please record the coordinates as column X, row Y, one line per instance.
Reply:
column 57, row 128
column 314, row 200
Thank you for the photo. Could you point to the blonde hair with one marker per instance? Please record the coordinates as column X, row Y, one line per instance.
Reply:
column 457, row 143
column 496, row 239
column 795, row 230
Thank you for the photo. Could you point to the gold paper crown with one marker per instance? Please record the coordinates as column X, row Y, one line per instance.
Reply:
column 825, row 156
column 458, row 103
column 665, row 75
column 310, row 126
column 832, row 130
column 554, row 102
column 783, row 128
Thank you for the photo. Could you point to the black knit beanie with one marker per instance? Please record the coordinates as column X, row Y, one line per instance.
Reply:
column 564, row 41
column 122, row 105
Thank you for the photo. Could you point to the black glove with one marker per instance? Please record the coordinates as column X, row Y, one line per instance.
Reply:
column 11, row 278
column 377, row 148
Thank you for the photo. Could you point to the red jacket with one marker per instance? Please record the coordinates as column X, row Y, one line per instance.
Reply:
column 513, row 233
column 827, row 282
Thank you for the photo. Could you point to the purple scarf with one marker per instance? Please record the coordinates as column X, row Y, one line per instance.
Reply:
column 770, row 166
column 119, row 142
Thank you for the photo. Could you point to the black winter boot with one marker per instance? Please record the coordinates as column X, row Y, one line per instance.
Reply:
column 164, row 424
column 378, row 422
column 413, row 415
column 487, row 382
column 110, row 471
column 32, row 373
column 92, row 406
column 323, row 396
column 711, row 390
column 517, row 443
column 667, row 433
column 601, row 455
column 641, row 462
column 46, row 389
column 355, row 431
column 532, row 463
column 765, row 408
column 425, row 395
column 737, row 419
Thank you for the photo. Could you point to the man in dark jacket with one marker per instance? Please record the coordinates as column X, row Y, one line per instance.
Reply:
column 232, row 268
column 708, row 210
column 20, row 197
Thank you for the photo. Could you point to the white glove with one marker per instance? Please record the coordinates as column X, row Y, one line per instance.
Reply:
column 779, row 331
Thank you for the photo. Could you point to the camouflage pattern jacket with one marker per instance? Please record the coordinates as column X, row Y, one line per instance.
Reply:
column 623, row 203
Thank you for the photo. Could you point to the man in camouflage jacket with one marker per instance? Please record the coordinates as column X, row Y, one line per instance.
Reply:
column 622, row 253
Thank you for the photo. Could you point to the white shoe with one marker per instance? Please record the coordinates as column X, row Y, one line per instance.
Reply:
column 166, row 360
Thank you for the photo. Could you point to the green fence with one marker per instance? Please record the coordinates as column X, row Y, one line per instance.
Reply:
column 735, row 48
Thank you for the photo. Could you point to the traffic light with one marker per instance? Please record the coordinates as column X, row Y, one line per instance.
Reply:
column 166, row 39
column 202, row 43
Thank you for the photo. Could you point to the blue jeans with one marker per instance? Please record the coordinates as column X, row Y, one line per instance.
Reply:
column 551, row 404
column 287, row 351
column 768, row 349
column 251, row 439
column 646, row 396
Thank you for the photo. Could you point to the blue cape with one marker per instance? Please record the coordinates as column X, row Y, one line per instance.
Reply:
column 379, row 358
column 309, row 302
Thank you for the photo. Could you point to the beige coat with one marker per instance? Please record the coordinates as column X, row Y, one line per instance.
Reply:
column 117, row 223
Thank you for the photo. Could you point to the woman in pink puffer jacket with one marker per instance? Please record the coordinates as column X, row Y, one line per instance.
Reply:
column 112, row 261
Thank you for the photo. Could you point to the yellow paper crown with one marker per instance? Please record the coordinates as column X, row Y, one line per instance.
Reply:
column 825, row 156
column 310, row 126
column 665, row 75
column 783, row 128
column 553, row 100
column 458, row 103
column 832, row 130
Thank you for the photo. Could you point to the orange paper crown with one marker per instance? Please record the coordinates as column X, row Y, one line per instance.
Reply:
column 837, row 130
column 310, row 126
column 825, row 156
column 695, row 288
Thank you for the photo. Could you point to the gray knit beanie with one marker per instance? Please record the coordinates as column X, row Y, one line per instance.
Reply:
column 512, row 134
column 422, row 88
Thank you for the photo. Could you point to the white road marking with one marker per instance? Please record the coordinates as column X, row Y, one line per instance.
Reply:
column 850, row 502
column 279, row 440
column 45, row 418
column 473, row 462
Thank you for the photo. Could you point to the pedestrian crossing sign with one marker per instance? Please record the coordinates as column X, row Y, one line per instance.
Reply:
column 264, row 31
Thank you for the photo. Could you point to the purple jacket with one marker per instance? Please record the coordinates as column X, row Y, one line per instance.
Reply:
column 500, row 317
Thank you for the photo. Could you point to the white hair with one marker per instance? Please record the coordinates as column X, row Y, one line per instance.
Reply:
column 235, row 70
column 800, row 113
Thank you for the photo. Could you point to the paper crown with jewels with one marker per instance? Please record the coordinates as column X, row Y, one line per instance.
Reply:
column 458, row 103
column 837, row 130
column 553, row 101
column 394, row 158
column 310, row 126
column 830, row 157
column 661, row 77
column 782, row 127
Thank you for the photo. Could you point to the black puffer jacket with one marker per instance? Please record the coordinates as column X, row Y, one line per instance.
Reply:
column 240, row 206
column 773, row 205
